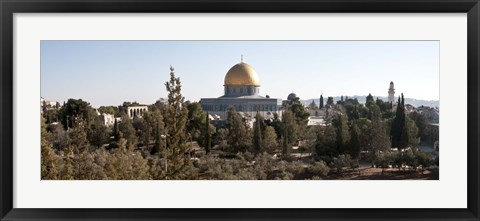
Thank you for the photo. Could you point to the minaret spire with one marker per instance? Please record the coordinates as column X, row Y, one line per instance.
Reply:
column 391, row 93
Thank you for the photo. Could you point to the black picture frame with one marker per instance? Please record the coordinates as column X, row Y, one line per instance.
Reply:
column 9, row 7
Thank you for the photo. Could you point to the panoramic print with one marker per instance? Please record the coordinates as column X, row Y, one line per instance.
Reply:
column 239, row 110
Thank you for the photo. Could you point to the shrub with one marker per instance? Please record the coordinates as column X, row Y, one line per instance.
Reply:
column 340, row 162
column 319, row 169
column 424, row 159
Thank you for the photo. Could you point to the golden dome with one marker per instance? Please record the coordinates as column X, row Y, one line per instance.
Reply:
column 242, row 74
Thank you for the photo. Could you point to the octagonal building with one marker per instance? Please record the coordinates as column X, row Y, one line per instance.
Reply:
column 242, row 91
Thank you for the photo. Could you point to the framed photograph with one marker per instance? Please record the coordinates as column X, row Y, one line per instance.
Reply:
column 199, row 110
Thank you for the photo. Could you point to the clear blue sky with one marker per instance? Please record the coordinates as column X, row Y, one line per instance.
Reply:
column 110, row 72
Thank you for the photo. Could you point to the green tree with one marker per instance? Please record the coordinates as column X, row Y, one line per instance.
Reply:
column 421, row 123
column 369, row 99
column 384, row 159
column 51, row 115
column 312, row 105
column 343, row 135
column 154, row 120
column 326, row 142
column 379, row 141
column 277, row 125
column 319, row 169
column 84, row 166
column 409, row 136
column 175, row 114
column 341, row 161
column 207, row 134
column 424, row 159
column 222, row 138
column 364, row 126
column 128, row 132
column 58, row 137
column 270, row 140
column 77, row 109
column 238, row 137
column 354, row 140
column 298, row 110
column 398, row 126
column 197, row 123
column 384, row 106
column 196, row 120
column 98, row 134
column 321, row 101
column 67, row 169
column 49, row 158
column 116, row 131
column 143, row 130
column 351, row 111
column 78, row 137
column 159, row 105
column 175, row 122
column 257, row 134
column 330, row 101
column 289, row 129
column 109, row 110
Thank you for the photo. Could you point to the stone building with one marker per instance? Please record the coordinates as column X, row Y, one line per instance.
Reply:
column 136, row 111
column 106, row 119
column 242, row 91
column 391, row 93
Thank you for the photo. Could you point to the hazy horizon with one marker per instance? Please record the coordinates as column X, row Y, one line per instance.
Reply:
column 110, row 72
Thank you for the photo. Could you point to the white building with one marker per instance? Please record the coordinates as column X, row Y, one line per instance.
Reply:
column 136, row 111
column 391, row 93
column 106, row 119
column 47, row 104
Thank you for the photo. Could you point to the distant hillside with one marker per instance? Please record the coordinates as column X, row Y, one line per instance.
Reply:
column 361, row 99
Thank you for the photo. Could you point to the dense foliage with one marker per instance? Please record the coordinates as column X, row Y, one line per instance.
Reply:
column 175, row 139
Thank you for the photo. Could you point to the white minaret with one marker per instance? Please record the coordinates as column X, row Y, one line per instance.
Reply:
column 391, row 93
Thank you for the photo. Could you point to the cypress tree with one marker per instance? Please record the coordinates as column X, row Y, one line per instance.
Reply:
column 285, row 150
column 369, row 99
column 321, row 102
column 116, row 132
column 290, row 130
column 257, row 134
column 207, row 134
column 343, row 135
column 159, row 135
column 354, row 140
column 398, row 134
column 395, row 132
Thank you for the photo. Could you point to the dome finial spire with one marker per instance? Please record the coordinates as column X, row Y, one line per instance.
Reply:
column 241, row 58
